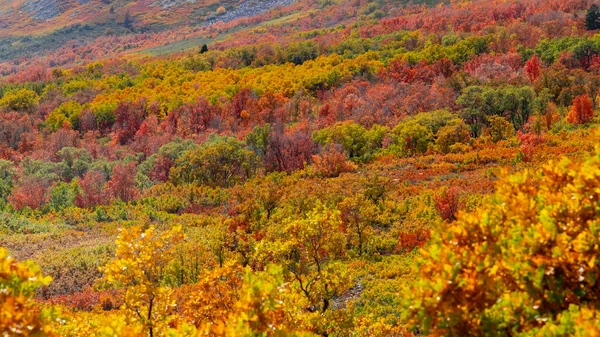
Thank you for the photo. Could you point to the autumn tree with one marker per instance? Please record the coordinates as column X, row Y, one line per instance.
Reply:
column 533, row 68
column 500, row 128
column 91, row 190
column 309, row 248
column 19, row 314
column 129, row 118
column 23, row 100
column 30, row 192
column 582, row 110
column 522, row 264
column 447, row 202
column 213, row 298
column 67, row 113
column 289, row 149
column 410, row 138
column 332, row 162
column 138, row 267
column 122, row 183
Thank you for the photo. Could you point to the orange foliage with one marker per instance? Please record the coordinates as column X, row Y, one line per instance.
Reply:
column 582, row 110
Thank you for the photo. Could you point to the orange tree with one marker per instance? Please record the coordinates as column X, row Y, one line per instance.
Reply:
column 526, row 263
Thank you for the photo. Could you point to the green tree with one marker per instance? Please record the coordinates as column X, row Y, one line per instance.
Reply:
column 410, row 138
column 455, row 132
column 221, row 161
column 592, row 18
column 7, row 172
column 63, row 195
column 359, row 143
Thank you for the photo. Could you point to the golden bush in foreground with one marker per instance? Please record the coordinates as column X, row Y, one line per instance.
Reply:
column 526, row 263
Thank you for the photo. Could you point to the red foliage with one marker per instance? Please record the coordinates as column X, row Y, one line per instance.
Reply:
column 129, row 119
column 411, row 240
column 122, row 184
column 582, row 110
column 488, row 67
column 529, row 141
column 332, row 162
column 447, row 203
column 533, row 68
column 92, row 193
column 289, row 149
column 88, row 299
column 160, row 171
column 32, row 193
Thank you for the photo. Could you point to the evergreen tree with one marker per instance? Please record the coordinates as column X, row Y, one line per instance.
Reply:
column 592, row 19
column 128, row 21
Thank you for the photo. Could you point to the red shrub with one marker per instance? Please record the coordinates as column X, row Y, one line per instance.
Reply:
column 409, row 241
column 332, row 162
column 447, row 203
column 30, row 193
column 92, row 192
column 122, row 184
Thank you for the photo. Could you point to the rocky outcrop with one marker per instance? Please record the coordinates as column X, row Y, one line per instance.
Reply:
column 42, row 10
column 248, row 8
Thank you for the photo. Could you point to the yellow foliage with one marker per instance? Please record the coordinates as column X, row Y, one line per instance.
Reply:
column 19, row 314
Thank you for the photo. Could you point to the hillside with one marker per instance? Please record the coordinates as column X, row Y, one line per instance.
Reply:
column 299, row 168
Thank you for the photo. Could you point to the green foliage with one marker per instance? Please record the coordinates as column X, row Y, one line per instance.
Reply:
column 454, row 132
column 63, row 195
column 300, row 52
column 7, row 172
column 515, row 103
column 74, row 162
column 171, row 150
column 410, row 138
column 221, row 161
column 258, row 139
column 67, row 112
column 592, row 18
column 359, row 143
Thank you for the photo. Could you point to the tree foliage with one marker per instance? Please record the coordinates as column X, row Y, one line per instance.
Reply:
column 521, row 264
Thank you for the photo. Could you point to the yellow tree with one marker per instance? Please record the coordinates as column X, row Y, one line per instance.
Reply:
column 139, row 264
column 19, row 314
column 311, row 248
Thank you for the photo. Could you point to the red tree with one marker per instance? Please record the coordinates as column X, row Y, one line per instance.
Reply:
column 129, row 119
column 162, row 166
column 30, row 193
column 582, row 110
column 122, row 184
column 533, row 68
column 92, row 190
